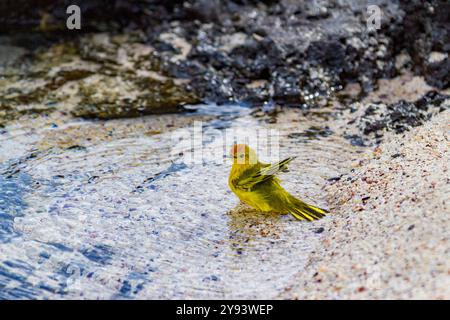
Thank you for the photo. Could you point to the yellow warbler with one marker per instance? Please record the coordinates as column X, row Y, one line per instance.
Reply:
column 256, row 185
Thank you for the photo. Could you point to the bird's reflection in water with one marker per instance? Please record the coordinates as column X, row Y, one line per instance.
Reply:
column 248, row 227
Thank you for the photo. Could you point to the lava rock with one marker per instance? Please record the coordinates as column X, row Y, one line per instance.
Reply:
column 299, row 52
column 401, row 116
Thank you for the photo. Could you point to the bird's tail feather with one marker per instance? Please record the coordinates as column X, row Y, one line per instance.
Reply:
column 303, row 211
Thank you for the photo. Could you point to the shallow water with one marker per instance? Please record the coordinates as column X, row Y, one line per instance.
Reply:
column 140, row 217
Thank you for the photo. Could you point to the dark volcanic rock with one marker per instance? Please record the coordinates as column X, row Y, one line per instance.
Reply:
column 426, row 33
column 438, row 74
column 298, row 53
column 400, row 116
column 291, row 52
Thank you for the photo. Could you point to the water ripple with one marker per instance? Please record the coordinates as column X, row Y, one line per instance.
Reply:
column 128, row 219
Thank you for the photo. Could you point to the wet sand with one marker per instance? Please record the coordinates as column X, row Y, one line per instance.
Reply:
column 388, row 237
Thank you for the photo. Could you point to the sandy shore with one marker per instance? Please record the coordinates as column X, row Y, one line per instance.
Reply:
column 389, row 236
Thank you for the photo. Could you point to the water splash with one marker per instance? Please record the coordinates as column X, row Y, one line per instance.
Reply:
column 127, row 219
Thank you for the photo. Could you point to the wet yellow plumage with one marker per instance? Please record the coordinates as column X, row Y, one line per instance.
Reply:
column 256, row 185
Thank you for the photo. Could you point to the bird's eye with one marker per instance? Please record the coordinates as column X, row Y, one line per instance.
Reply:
column 241, row 156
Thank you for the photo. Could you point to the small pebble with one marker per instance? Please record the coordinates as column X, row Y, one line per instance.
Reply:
column 319, row 230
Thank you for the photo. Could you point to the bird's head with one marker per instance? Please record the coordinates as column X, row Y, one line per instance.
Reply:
column 243, row 154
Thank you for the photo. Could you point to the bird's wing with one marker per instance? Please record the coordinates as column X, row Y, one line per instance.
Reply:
column 275, row 168
column 263, row 173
